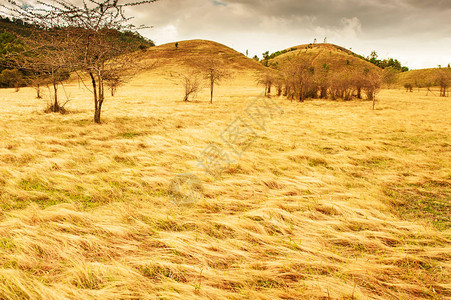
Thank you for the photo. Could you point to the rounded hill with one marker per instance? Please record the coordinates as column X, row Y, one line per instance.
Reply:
column 424, row 77
column 191, row 51
column 336, row 58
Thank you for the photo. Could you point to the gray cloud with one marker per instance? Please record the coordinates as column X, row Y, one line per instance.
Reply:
column 416, row 31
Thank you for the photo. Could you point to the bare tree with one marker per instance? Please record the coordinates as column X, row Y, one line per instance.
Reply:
column 214, row 70
column 43, row 60
column 298, row 72
column 266, row 79
column 93, row 32
column 443, row 80
column 120, row 70
column 192, row 83
column 322, row 79
column 372, row 84
column 113, row 82
column 408, row 87
column 389, row 76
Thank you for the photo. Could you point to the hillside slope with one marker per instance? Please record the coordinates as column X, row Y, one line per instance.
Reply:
column 168, row 64
column 422, row 77
column 188, row 52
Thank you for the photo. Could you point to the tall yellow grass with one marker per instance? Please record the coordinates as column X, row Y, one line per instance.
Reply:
column 308, row 212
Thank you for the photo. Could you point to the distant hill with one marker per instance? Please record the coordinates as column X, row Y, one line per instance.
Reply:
column 335, row 57
column 373, row 58
column 323, row 46
column 422, row 77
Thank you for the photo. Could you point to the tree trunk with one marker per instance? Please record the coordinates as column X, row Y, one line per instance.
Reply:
column 301, row 94
column 38, row 91
column 359, row 93
column 212, row 84
column 56, row 107
column 101, row 97
column 96, row 100
column 323, row 93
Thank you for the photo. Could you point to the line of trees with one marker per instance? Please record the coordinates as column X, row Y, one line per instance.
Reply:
column 298, row 78
column 386, row 63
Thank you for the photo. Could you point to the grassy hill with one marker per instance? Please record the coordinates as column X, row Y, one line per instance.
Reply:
column 338, row 58
column 170, row 63
column 322, row 46
column 421, row 76
column 189, row 52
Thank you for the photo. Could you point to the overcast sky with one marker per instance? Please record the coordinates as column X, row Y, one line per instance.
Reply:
column 417, row 32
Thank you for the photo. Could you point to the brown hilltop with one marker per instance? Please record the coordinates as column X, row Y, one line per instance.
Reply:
column 423, row 77
column 190, row 51
column 336, row 57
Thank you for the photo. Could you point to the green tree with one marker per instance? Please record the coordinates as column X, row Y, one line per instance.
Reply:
column 11, row 78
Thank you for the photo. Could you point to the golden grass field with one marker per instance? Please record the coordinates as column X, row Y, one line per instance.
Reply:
column 332, row 201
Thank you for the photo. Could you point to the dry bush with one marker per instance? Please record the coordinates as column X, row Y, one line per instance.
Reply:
column 267, row 79
column 443, row 80
column 192, row 84
column 303, row 77
column 299, row 75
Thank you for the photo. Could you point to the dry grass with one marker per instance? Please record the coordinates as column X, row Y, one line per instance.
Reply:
column 329, row 203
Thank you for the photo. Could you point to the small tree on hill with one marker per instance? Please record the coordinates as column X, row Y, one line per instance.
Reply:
column 265, row 59
column 113, row 82
column 322, row 79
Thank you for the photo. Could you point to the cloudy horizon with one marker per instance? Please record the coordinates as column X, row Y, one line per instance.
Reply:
column 418, row 33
